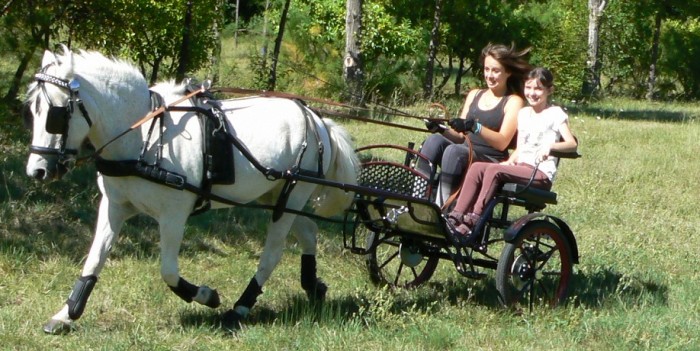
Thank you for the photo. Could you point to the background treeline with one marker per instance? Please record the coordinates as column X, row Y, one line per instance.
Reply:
column 637, row 49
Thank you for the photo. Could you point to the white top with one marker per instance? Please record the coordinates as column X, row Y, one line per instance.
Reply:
column 536, row 130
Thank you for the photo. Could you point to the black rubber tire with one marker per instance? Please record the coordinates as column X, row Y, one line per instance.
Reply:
column 536, row 268
column 386, row 268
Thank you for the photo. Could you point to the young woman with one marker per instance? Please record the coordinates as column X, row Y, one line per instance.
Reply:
column 542, row 127
column 488, row 120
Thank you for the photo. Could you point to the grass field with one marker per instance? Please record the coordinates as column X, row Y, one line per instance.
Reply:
column 631, row 202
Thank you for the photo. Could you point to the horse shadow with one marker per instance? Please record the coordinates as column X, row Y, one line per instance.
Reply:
column 589, row 291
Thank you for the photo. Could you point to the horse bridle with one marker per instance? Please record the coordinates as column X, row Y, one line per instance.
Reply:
column 57, row 117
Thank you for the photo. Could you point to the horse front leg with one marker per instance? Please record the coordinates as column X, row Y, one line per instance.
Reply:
column 110, row 219
column 172, row 229
column 272, row 253
column 306, row 231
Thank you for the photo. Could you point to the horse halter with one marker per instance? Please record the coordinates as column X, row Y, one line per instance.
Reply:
column 57, row 117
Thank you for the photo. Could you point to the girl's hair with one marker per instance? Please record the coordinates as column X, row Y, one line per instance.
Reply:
column 543, row 75
column 514, row 62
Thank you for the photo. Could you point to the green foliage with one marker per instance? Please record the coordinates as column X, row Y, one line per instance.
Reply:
column 625, row 48
column 319, row 42
column 681, row 41
column 559, row 42
column 148, row 31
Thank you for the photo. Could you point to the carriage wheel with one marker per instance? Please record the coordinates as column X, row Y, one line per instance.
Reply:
column 536, row 268
column 400, row 262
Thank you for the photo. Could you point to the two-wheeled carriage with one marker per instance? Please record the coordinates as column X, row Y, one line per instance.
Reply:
column 403, row 234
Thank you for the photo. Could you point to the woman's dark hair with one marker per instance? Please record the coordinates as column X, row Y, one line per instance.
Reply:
column 514, row 61
column 543, row 75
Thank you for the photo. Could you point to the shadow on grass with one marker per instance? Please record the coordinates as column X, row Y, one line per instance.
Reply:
column 596, row 291
column 58, row 218
column 633, row 114
column 607, row 287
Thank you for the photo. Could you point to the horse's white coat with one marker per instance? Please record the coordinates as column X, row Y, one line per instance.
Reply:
column 116, row 95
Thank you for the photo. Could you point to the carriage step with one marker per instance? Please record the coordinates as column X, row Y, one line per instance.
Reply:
column 470, row 273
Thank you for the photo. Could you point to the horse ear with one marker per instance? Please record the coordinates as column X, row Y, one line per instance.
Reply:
column 67, row 57
column 48, row 58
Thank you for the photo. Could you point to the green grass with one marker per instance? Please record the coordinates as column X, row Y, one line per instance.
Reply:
column 631, row 202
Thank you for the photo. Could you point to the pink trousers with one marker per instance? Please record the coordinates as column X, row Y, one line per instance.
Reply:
column 483, row 180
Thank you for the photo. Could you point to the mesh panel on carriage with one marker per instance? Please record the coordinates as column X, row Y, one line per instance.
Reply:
column 394, row 178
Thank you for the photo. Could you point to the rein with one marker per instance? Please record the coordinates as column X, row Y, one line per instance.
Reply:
column 395, row 112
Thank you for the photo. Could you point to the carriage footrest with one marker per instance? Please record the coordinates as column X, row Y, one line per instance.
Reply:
column 529, row 194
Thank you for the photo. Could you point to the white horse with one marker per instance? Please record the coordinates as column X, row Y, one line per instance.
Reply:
column 84, row 95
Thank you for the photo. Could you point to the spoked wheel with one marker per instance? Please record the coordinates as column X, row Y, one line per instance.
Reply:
column 400, row 262
column 536, row 268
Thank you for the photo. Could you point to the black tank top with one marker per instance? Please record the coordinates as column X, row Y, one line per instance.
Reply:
column 491, row 119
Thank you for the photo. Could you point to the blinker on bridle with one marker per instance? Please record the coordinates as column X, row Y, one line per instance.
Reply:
column 57, row 117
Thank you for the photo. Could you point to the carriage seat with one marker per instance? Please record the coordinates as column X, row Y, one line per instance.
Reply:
column 529, row 194
column 534, row 196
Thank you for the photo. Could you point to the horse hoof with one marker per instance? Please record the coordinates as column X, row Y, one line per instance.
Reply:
column 318, row 293
column 231, row 321
column 214, row 301
column 57, row 327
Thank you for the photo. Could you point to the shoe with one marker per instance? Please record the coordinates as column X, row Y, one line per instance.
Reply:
column 460, row 234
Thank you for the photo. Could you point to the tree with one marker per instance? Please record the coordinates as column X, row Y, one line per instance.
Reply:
column 185, row 47
column 592, row 76
column 432, row 52
column 352, row 61
column 28, row 27
column 665, row 9
column 272, row 79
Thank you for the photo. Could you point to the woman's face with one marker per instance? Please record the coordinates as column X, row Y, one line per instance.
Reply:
column 536, row 94
column 495, row 74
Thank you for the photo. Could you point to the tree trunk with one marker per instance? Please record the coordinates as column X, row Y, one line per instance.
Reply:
column 651, row 84
column 185, row 47
column 446, row 73
column 235, row 33
column 591, row 82
column 272, row 80
column 19, row 73
column 458, row 79
column 353, row 70
column 432, row 52
column 6, row 8
column 215, row 55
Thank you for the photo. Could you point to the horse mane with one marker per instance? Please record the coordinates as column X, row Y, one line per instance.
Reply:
column 95, row 64
column 90, row 64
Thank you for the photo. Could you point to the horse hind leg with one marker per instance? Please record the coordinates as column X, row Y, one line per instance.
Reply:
column 306, row 230
column 272, row 253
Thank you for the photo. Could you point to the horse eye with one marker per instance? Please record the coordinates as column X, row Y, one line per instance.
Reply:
column 27, row 117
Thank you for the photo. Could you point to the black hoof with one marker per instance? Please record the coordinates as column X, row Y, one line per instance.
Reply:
column 213, row 301
column 56, row 327
column 318, row 293
column 231, row 321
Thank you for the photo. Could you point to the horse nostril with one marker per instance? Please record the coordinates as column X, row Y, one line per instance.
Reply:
column 39, row 174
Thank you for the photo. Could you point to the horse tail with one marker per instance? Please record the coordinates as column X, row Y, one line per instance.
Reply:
column 344, row 168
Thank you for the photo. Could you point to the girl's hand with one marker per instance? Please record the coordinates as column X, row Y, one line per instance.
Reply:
column 508, row 163
column 543, row 153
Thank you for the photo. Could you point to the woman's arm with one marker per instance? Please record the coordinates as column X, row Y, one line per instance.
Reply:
column 501, row 139
column 452, row 135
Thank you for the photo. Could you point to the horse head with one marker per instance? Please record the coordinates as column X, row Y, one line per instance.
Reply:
column 54, row 112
